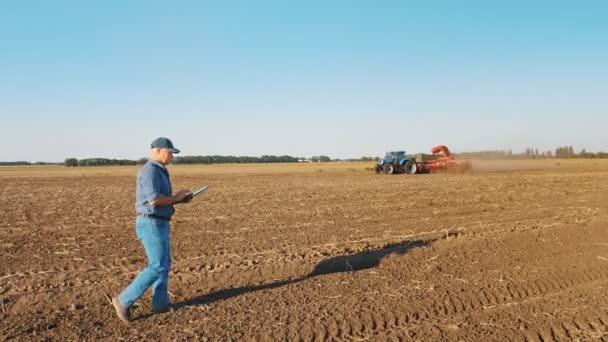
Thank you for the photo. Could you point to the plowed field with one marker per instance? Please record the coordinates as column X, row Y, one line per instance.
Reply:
column 512, row 251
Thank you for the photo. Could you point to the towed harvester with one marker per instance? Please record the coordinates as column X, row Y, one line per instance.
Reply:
column 443, row 160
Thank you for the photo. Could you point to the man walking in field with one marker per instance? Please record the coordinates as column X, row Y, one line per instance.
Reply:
column 154, row 207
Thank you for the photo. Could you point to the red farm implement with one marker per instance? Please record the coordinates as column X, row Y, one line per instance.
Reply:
column 443, row 162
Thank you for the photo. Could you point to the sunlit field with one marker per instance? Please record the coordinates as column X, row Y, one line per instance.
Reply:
column 478, row 166
column 314, row 251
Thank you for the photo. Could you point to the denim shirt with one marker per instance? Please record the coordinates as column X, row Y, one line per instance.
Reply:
column 152, row 181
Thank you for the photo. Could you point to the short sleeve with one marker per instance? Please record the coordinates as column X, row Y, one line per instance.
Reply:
column 149, row 184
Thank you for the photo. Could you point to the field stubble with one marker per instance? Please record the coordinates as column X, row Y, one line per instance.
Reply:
column 514, row 250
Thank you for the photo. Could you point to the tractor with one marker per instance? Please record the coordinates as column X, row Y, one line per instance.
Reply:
column 396, row 162
column 441, row 161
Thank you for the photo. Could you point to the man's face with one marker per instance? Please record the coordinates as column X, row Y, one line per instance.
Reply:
column 162, row 155
column 166, row 156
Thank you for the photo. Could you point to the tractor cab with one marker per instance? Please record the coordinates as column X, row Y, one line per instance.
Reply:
column 392, row 156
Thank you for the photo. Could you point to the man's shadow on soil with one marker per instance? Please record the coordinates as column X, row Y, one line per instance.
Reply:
column 343, row 263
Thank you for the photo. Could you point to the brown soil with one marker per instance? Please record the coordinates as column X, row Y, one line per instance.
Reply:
column 323, row 254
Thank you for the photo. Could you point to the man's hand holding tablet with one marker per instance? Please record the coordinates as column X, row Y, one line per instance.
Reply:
column 194, row 194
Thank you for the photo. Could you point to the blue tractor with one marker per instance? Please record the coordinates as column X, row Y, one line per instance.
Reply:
column 396, row 162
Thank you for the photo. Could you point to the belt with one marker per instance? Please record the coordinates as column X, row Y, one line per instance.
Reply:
column 156, row 217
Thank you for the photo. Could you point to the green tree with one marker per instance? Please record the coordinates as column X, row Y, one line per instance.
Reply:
column 71, row 162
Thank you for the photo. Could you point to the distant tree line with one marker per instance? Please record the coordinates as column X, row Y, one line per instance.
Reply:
column 568, row 152
column 263, row 159
column 235, row 160
column 246, row 159
column 17, row 163
column 216, row 159
column 532, row 153
column 367, row 159
column 73, row 162
column 320, row 159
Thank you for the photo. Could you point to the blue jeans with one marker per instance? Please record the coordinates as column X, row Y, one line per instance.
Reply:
column 154, row 235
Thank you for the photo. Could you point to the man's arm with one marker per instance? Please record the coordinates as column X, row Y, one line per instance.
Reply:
column 163, row 200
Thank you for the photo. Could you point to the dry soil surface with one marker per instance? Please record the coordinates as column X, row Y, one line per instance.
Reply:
column 275, row 252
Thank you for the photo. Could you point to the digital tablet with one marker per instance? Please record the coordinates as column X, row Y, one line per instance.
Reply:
column 201, row 190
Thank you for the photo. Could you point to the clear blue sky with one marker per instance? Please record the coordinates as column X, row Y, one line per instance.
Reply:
column 340, row 78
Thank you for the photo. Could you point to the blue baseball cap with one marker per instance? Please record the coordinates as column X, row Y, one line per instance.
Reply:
column 164, row 143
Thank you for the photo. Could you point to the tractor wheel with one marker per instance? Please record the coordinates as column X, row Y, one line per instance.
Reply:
column 378, row 168
column 388, row 169
column 410, row 167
